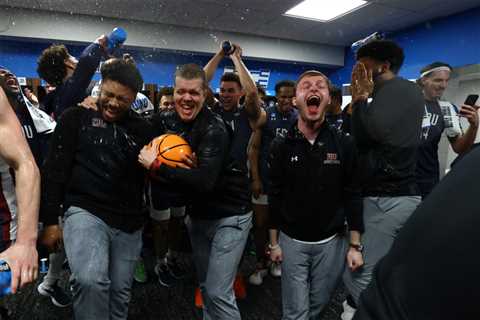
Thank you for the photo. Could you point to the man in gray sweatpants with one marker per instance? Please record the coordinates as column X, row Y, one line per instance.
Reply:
column 313, row 174
column 387, row 133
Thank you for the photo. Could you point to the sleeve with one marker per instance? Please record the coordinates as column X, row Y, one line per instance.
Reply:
column 275, row 174
column 58, row 165
column 360, row 123
column 351, row 196
column 211, row 155
column 75, row 87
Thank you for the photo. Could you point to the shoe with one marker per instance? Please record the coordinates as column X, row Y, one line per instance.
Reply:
column 239, row 287
column 140, row 275
column 256, row 278
column 164, row 275
column 276, row 270
column 56, row 294
column 198, row 298
column 176, row 269
column 348, row 311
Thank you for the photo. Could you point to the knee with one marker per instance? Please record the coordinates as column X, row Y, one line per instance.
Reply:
column 89, row 281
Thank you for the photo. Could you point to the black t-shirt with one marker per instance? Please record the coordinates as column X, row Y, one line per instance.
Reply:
column 428, row 170
column 431, row 271
column 240, row 125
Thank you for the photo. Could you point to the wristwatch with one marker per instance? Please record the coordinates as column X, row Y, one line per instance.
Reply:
column 357, row 246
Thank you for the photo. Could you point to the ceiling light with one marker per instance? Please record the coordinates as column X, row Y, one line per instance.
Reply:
column 324, row 10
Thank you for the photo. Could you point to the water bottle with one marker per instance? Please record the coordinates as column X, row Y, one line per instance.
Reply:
column 5, row 278
column 116, row 38
column 227, row 47
column 43, row 266
column 374, row 36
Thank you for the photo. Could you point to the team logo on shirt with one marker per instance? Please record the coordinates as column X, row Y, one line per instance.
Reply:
column 294, row 159
column 98, row 123
column 281, row 132
column 332, row 158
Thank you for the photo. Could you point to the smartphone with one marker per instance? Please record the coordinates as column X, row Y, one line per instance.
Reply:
column 471, row 100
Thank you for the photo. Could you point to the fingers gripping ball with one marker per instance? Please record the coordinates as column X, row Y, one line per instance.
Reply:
column 171, row 149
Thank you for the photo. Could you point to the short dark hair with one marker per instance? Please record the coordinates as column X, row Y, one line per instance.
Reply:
column 434, row 65
column 51, row 64
column 166, row 91
column 313, row 73
column 124, row 72
column 191, row 71
column 284, row 83
column 231, row 77
column 383, row 51
column 336, row 94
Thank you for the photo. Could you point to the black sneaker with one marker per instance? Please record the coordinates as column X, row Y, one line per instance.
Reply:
column 176, row 269
column 56, row 294
column 164, row 275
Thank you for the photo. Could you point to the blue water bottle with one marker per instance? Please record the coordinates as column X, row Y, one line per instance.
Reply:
column 43, row 266
column 116, row 38
column 5, row 278
column 227, row 47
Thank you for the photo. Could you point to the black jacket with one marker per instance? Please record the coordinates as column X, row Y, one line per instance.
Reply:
column 213, row 188
column 387, row 132
column 311, row 183
column 93, row 164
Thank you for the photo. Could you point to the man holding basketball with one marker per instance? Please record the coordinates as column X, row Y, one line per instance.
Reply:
column 218, row 225
column 91, row 173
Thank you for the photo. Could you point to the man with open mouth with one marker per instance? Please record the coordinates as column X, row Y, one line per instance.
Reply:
column 313, row 173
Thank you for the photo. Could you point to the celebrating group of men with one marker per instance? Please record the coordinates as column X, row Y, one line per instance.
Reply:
column 326, row 200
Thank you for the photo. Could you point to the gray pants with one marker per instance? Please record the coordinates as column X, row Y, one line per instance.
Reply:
column 310, row 274
column 383, row 218
column 217, row 248
column 102, row 260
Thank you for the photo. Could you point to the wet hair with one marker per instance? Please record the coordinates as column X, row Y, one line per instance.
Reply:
column 51, row 64
column 124, row 72
column 191, row 71
column 434, row 65
column 166, row 91
column 336, row 94
column 231, row 77
column 383, row 51
column 284, row 83
column 313, row 73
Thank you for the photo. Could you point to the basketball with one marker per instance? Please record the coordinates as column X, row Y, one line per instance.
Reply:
column 170, row 149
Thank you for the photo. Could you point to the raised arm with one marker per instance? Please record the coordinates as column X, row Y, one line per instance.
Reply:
column 22, row 255
column 212, row 65
column 252, row 99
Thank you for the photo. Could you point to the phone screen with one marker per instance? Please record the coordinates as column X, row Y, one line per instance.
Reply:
column 471, row 100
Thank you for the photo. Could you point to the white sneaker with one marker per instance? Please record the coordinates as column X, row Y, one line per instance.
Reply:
column 256, row 278
column 348, row 311
column 276, row 270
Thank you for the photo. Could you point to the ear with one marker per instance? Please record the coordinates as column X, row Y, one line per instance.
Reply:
column 386, row 66
column 294, row 101
column 329, row 99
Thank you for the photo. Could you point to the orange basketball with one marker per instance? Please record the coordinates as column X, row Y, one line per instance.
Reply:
column 170, row 148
